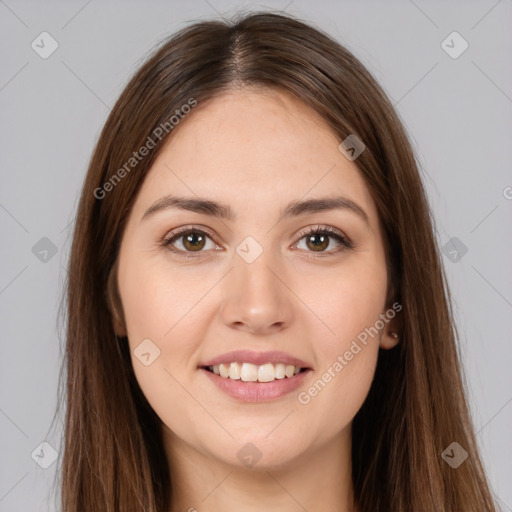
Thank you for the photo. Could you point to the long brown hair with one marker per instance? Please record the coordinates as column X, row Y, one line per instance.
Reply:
column 114, row 458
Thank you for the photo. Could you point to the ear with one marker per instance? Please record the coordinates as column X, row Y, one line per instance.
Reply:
column 114, row 303
column 393, row 329
column 389, row 339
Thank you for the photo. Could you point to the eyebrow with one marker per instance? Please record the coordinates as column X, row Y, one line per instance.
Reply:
column 223, row 211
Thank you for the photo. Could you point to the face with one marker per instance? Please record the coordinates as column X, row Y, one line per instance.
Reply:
column 266, row 271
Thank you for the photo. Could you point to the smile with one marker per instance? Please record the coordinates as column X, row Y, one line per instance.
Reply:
column 248, row 372
column 246, row 386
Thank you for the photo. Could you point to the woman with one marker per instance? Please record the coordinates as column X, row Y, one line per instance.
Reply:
column 258, row 317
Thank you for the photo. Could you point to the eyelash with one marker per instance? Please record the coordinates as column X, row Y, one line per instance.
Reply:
column 320, row 230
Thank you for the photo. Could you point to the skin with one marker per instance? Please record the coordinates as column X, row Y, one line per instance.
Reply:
column 255, row 150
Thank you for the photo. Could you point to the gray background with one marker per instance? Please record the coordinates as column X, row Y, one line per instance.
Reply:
column 458, row 112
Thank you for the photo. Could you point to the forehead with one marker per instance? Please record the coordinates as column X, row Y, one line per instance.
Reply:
column 255, row 150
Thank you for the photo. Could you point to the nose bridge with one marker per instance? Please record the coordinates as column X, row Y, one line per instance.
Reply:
column 256, row 298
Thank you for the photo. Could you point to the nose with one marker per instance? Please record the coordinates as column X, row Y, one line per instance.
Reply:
column 256, row 297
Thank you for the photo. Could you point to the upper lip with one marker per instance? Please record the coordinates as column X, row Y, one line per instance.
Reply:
column 257, row 358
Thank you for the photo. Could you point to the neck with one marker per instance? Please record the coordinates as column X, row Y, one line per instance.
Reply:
column 318, row 479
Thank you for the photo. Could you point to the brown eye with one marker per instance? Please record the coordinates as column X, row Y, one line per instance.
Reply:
column 317, row 242
column 193, row 241
column 188, row 241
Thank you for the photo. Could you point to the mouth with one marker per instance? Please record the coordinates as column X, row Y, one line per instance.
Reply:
column 247, row 382
column 248, row 372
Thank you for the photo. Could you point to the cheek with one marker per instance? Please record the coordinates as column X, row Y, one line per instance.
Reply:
column 334, row 397
column 160, row 307
column 157, row 297
column 347, row 298
column 350, row 304
column 166, row 306
column 150, row 310
column 342, row 380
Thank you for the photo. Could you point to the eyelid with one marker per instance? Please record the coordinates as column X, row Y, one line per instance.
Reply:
column 186, row 229
column 315, row 228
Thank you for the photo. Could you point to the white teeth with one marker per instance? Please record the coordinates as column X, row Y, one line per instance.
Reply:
column 224, row 370
column 234, row 371
column 248, row 372
column 289, row 369
column 280, row 371
column 266, row 373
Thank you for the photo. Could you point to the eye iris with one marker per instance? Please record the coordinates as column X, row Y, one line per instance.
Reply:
column 324, row 243
column 193, row 238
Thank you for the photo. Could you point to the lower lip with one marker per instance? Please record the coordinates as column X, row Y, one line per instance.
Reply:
column 257, row 391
